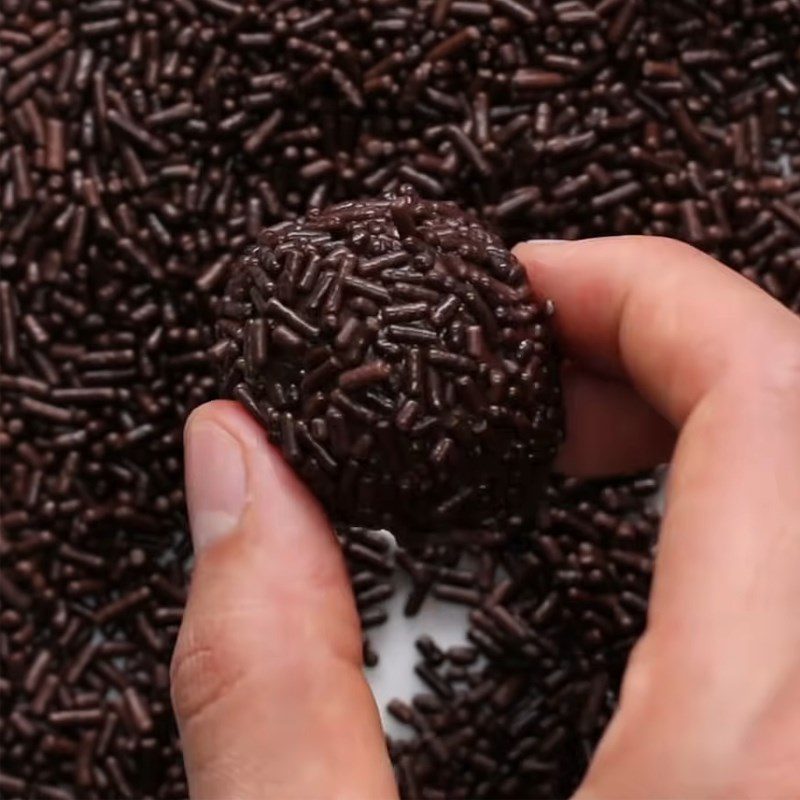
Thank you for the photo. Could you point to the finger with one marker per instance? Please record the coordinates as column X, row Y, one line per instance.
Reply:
column 267, row 672
column 723, row 637
column 610, row 429
column 717, row 356
column 645, row 307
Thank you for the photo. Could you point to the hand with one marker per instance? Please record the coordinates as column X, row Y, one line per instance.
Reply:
column 710, row 703
column 267, row 680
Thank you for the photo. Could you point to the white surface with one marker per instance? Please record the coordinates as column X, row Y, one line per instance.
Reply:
column 444, row 622
column 394, row 675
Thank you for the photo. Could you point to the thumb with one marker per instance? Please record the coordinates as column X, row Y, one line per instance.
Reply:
column 267, row 682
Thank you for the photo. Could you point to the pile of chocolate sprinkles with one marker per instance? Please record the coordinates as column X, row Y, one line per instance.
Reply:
column 394, row 351
column 144, row 144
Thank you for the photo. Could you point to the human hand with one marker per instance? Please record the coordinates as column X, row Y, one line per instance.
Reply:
column 710, row 702
column 267, row 680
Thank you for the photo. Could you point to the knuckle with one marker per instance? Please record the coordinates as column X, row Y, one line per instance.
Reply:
column 779, row 373
column 639, row 677
column 766, row 765
column 205, row 671
column 672, row 249
column 771, row 773
column 787, row 365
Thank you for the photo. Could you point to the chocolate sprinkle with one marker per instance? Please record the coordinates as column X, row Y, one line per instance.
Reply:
column 143, row 145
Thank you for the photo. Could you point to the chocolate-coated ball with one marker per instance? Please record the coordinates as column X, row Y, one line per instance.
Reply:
column 396, row 355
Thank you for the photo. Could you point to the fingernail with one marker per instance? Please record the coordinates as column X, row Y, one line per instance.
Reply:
column 546, row 241
column 216, row 482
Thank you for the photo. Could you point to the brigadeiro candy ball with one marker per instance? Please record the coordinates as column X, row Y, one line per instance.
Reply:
column 394, row 352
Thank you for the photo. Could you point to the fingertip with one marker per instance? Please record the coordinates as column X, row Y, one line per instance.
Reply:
column 237, row 482
column 269, row 464
column 560, row 267
column 531, row 247
column 540, row 257
column 230, row 415
column 655, row 309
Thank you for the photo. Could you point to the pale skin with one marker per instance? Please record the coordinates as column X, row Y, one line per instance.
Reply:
column 672, row 355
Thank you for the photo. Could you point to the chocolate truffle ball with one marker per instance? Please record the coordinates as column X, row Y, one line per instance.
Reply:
column 394, row 352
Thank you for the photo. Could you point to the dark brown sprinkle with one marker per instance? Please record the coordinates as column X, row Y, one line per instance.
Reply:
column 461, row 655
column 76, row 718
column 468, row 149
column 457, row 594
column 139, row 712
column 516, row 10
column 372, row 617
column 453, row 44
column 145, row 147
column 537, row 79
column 374, row 372
column 430, row 651
column 431, row 677
column 374, row 595
column 122, row 604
